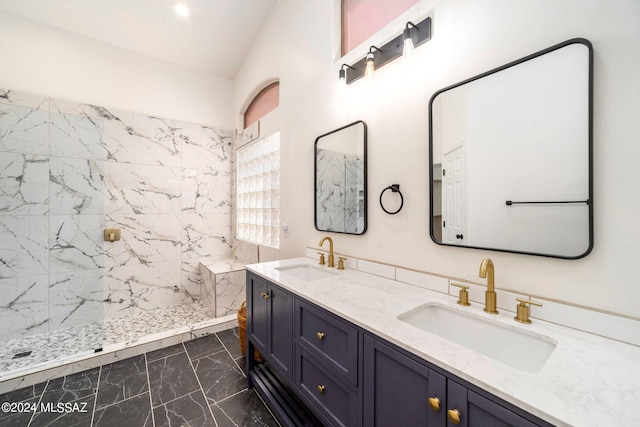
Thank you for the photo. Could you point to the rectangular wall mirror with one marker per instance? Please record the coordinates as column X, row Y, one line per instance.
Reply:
column 341, row 180
column 511, row 156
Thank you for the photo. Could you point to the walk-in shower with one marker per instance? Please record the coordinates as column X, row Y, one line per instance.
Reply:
column 68, row 171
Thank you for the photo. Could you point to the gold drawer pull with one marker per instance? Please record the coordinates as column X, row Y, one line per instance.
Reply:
column 320, row 389
column 265, row 295
column 434, row 403
column 454, row 416
column 320, row 335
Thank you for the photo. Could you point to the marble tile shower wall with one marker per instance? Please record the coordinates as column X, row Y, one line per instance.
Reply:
column 67, row 171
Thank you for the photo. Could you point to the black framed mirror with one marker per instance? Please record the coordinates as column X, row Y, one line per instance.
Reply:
column 511, row 156
column 340, row 174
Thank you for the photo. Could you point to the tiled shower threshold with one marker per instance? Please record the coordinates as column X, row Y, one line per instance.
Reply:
column 72, row 350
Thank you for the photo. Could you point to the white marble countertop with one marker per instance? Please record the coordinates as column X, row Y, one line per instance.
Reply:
column 587, row 381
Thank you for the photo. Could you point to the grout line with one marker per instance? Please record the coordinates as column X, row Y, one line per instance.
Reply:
column 233, row 395
column 39, row 401
column 232, row 358
column 146, row 365
column 95, row 398
column 227, row 415
column 206, row 401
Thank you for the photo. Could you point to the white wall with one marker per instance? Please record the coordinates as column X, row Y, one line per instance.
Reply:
column 298, row 45
column 47, row 61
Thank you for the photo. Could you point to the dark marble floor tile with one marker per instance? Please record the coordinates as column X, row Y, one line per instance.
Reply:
column 171, row 378
column 203, row 346
column 72, row 387
column 22, row 394
column 187, row 411
column 231, row 341
column 164, row 352
column 17, row 419
column 64, row 413
column 122, row 380
column 243, row 410
column 134, row 412
column 219, row 375
column 242, row 363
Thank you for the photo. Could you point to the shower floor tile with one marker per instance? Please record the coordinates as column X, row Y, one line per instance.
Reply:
column 159, row 388
column 70, row 342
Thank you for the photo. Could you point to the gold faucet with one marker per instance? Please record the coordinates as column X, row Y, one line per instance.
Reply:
column 487, row 271
column 331, row 259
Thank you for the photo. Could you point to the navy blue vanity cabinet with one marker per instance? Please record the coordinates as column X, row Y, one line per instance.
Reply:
column 399, row 390
column 270, row 323
column 474, row 410
column 327, row 361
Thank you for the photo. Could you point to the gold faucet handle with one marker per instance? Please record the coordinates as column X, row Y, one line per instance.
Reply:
column 522, row 310
column 321, row 258
column 341, row 261
column 463, row 295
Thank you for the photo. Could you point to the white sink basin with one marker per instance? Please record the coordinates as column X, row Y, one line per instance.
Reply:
column 307, row 272
column 520, row 349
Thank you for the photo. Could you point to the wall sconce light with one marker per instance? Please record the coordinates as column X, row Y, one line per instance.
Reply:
column 413, row 34
column 342, row 74
column 408, row 49
column 370, row 61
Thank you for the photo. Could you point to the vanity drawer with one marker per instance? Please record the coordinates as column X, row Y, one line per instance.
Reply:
column 331, row 339
column 332, row 398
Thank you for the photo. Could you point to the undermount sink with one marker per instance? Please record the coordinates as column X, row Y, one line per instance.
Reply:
column 512, row 346
column 306, row 272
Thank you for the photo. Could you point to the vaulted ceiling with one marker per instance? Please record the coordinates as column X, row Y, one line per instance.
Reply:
column 215, row 37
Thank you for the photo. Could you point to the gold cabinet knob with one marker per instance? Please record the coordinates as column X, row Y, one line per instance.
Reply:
column 320, row 389
column 454, row 416
column 434, row 403
column 320, row 335
column 265, row 295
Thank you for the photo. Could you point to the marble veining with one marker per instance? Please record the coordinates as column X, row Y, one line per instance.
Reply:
column 67, row 171
column 588, row 380
column 24, row 184
column 222, row 285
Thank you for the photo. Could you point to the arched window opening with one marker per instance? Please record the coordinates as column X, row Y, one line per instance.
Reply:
column 264, row 102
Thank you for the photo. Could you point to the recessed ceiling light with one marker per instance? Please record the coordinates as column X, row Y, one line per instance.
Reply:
column 182, row 9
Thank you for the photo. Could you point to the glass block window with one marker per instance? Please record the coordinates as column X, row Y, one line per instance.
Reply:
column 258, row 205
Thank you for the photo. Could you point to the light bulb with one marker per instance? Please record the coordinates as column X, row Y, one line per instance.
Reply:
column 370, row 67
column 342, row 75
column 408, row 50
column 182, row 9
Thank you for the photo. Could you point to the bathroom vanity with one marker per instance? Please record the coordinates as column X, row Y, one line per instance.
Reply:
column 340, row 345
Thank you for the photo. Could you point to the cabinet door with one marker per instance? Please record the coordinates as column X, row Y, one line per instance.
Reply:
column 397, row 389
column 281, row 330
column 257, row 313
column 477, row 411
